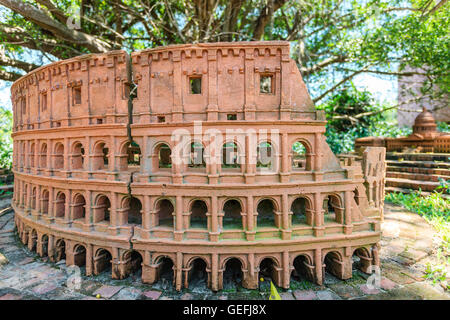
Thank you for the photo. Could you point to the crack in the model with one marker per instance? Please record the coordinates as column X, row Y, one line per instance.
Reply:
column 132, row 95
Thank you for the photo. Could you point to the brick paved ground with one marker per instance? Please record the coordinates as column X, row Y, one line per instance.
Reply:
column 407, row 246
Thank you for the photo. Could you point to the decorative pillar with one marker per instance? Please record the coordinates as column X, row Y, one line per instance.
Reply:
column 284, row 174
column 318, row 266
column 214, row 233
column 286, row 228
column 318, row 228
column 89, row 259
column 214, row 271
column 286, row 270
column 178, row 233
column 250, row 233
column 348, row 212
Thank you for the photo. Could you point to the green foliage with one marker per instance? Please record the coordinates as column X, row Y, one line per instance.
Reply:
column 5, row 138
column 443, row 127
column 353, row 114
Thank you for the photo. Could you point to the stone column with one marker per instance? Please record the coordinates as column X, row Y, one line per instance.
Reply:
column 249, row 106
column 348, row 212
column 286, row 270
column 89, row 258
column 214, row 271
column 88, row 211
column 284, row 174
column 286, row 228
column 318, row 228
column 214, row 232
column 178, row 233
column 178, row 269
column 318, row 266
column 250, row 233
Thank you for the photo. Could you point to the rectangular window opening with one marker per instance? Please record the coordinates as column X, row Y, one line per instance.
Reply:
column 76, row 92
column 44, row 102
column 232, row 116
column 161, row 119
column 195, row 84
column 266, row 84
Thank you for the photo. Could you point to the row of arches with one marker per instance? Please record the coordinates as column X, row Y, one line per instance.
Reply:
column 267, row 210
column 232, row 270
column 232, row 155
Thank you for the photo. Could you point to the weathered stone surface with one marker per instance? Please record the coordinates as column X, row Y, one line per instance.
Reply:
column 128, row 294
column 327, row 295
column 187, row 296
column 286, row 296
column 10, row 296
column 44, row 288
column 387, row 284
column 152, row 294
column 305, row 295
column 107, row 291
column 3, row 260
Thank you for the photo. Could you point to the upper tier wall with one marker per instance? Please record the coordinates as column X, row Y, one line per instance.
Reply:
column 209, row 82
column 230, row 76
column 79, row 91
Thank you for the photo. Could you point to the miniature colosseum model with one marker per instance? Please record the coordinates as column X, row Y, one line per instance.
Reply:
column 204, row 157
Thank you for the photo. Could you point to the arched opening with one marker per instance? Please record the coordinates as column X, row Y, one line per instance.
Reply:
column 79, row 207
column 333, row 264
column 362, row 260
column 44, row 245
column 267, row 272
column 232, row 275
column 232, row 214
column 303, row 269
column 79, row 255
column 198, row 214
column 133, row 260
column 230, row 156
column 60, row 204
column 58, row 162
column 332, row 209
column 134, row 211
column 102, row 261
column 43, row 156
column 265, row 155
column 164, row 211
column 165, row 270
column 300, row 157
column 196, row 156
column 77, row 156
column 197, row 274
column 133, row 155
column 60, row 250
column 102, row 211
column 299, row 209
column 101, row 156
column 164, row 156
column 44, row 202
column 266, row 213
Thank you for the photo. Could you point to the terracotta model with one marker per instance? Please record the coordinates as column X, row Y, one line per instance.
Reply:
column 425, row 137
column 198, row 157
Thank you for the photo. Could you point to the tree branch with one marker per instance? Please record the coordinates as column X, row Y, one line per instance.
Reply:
column 58, row 29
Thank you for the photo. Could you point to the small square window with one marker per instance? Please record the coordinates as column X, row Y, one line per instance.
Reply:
column 161, row 119
column 195, row 84
column 266, row 84
column 99, row 121
column 76, row 92
column 232, row 116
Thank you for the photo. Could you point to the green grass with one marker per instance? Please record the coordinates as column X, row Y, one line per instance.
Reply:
column 436, row 210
